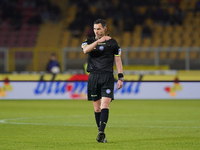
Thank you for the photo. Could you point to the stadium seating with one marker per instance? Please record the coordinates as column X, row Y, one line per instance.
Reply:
column 75, row 42
column 163, row 35
column 25, row 37
column 66, row 38
column 182, row 55
column 49, row 35
column 59, row 35
column 72, row 55
column 185, row 35
column 132, row 55
column 126, row 36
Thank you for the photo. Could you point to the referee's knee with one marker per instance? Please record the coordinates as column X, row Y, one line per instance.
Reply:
column 97, row 109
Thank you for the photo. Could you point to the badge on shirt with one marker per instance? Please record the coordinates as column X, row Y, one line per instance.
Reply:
column 83, row 44
column 101, row 48
column 119, row 51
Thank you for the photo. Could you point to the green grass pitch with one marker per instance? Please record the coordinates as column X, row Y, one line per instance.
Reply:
column 70, row 125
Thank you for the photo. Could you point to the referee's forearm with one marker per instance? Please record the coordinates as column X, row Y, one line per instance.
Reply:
column 118, row 63
column 89, row 48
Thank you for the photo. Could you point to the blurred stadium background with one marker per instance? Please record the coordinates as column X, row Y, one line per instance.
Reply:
column 160, row 41
column 154, row 34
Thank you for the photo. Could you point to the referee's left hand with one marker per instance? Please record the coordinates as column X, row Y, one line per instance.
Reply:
column 119, row 84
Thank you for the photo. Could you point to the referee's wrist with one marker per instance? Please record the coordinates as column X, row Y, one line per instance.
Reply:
column 120, row 76
column 97, row 41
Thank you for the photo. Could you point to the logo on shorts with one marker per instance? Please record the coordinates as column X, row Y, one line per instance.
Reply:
column 108, row 91
column 101, row 48
column 93, row 95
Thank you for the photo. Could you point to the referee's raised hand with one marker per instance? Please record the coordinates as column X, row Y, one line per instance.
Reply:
column 104, row 38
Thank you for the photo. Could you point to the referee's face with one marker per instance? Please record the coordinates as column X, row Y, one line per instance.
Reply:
column 99, row 30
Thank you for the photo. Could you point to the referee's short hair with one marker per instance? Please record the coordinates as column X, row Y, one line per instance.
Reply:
column 102, row 21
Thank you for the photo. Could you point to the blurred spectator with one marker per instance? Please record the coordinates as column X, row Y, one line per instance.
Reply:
column 159, row 14
column 116, row 19
column 174, row 2
column 83, row 4
column 146, row 31
column 126, row 11
column 90, row 32
column 88, row 17
column 177, row 16
column 197, row 7
column 41, row 3
column 123, row 10
column 7, row 11
column 166, row 17
column 150, row 13
column 16, row 20
column 35, row 19
column 128, row 24
column 116, row 13
column 75, row 27
column 45, row 16
column 14, row 12
column 53, row 62
column 102, row 4
column 55, row 13
column 138, row 17
column 29, row 3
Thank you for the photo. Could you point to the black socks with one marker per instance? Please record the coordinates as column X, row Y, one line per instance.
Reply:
column 97, row 118
column 103, row 119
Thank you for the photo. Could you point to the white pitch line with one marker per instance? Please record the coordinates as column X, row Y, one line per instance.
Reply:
column 5, row 121
column 2, row 121
column 46, row 124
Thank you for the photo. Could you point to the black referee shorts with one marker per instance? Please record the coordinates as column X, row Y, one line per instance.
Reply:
column 100, row 85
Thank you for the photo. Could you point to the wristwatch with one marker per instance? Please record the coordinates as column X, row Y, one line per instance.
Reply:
column 122, row 79
column 120, row 76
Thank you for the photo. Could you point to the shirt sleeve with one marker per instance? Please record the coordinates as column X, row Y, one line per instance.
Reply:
column 84, row 43
column 117, row 49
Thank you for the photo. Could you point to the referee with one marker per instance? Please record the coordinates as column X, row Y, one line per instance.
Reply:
column 102, row 51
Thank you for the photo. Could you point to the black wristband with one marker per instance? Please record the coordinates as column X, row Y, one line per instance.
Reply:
column 120, row 76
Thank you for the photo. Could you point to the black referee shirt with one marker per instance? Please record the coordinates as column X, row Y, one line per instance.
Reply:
column 101, row 59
